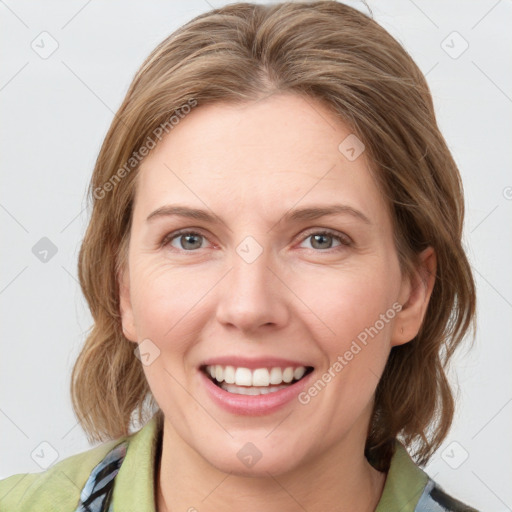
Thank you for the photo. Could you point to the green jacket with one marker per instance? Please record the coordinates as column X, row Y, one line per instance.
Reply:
column 58, row 489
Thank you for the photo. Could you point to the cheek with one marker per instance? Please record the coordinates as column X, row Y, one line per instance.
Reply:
column 166, row 302
column 347, row 302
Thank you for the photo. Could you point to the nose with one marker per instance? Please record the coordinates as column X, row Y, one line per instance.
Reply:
column 253, row 296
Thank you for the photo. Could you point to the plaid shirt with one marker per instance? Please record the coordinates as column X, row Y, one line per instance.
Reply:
column 96, row 496
column 120, row 476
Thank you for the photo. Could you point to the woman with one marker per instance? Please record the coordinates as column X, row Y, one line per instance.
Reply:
column 275, row 271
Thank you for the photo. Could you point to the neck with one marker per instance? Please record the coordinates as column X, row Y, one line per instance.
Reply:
column 341, row 479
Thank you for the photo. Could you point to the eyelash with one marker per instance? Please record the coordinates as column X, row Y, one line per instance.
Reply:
column 344, row 240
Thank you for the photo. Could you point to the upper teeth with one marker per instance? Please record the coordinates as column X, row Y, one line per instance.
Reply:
column 258, row 377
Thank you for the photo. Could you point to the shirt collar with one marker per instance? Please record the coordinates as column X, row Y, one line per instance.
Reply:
column 404, row 484
column 135, row 482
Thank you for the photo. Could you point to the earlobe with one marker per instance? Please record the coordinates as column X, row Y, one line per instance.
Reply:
column 415, row 296
column 125, row 306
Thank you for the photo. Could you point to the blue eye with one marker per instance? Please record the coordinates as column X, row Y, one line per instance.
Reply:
column 188, row 240
column 322, row 240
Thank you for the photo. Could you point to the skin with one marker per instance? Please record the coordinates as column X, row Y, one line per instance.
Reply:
column 249, row 165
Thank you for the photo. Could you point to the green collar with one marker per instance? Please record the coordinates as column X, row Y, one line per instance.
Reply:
column 134, row 489
column 404, row 485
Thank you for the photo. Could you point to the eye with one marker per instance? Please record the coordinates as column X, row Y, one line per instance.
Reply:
column 186, row 240
column 323, row 239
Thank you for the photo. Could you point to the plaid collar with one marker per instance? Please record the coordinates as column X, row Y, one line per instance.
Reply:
column 407, row 487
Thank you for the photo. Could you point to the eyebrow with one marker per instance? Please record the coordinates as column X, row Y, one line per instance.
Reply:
column 298, row 214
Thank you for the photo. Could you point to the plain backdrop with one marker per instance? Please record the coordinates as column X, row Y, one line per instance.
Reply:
column 64, row 71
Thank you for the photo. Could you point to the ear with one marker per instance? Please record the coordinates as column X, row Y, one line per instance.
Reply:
column 414, row 296
column 125, row 305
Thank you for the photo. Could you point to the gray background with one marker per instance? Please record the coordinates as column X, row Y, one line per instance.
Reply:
column 55, row 112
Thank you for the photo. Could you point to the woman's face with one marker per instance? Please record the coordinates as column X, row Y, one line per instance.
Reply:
column 262, row 282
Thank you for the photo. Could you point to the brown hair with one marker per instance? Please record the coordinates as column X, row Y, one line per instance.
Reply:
column 334, row 54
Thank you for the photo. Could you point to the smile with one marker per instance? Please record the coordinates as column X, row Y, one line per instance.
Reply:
column 259, row 381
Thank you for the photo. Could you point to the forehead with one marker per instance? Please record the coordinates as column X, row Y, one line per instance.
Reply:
column 257, row 157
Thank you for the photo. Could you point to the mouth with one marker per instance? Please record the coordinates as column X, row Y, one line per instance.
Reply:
column 253, row 382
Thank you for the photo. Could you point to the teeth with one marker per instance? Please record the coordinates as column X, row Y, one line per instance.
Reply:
column 229, row 374
column 288, row 374
column 276, row 376
column 299, row 372
column 260, row 377
column 244, row 390
column 243, row 377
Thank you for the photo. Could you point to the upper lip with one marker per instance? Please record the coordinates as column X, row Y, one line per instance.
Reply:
column 253, row 363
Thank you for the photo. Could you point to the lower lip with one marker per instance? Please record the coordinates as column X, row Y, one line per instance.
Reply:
column 253, row 405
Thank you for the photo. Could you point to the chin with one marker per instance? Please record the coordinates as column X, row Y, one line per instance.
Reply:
column 274, row 465
column 252, row 459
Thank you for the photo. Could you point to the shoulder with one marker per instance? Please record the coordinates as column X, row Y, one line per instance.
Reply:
column 57, row 488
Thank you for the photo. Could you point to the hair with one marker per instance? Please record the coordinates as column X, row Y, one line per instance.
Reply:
column 326, row 52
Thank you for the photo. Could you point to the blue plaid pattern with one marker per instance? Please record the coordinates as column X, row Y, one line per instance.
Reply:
column 96, row 496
